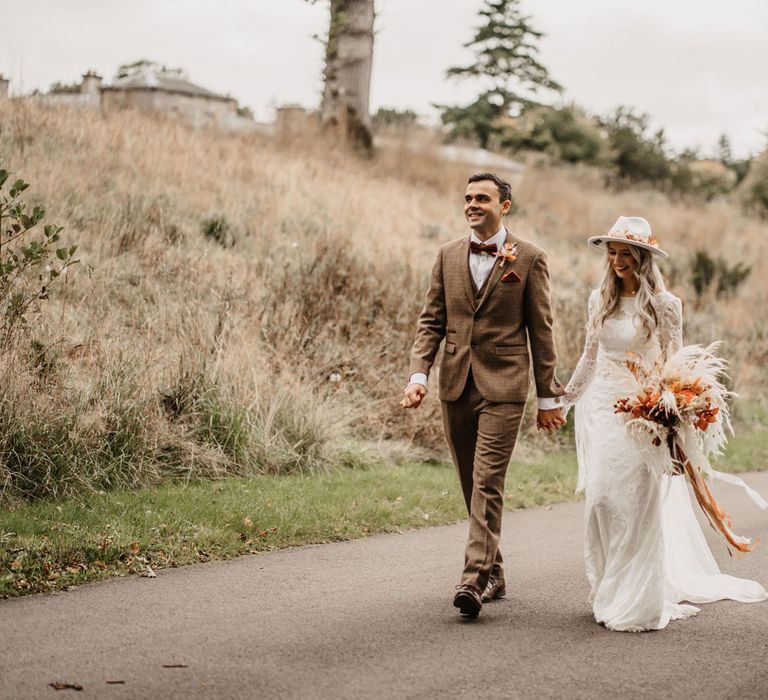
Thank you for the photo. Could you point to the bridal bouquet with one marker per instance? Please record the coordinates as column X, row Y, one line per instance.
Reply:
column 678, row 409
column 683, row 392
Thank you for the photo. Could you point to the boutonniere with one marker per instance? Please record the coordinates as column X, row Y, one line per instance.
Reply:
column 508, row 254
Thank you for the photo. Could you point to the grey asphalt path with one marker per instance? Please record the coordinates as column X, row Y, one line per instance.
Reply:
column 372, row 619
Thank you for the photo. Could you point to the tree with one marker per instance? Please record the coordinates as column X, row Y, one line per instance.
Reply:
column 347, row 74
column 637, row 155
column 724, row 151
column 506, row 62
column 566, row 133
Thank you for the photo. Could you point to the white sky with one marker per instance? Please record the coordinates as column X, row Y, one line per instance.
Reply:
column 699, row 67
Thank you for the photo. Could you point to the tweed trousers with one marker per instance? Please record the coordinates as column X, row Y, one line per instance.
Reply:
column 482, row 435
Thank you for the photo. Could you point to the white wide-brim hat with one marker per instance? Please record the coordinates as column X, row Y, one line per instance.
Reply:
column 633, row 230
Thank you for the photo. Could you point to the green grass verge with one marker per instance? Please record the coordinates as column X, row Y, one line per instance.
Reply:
column 47, row 546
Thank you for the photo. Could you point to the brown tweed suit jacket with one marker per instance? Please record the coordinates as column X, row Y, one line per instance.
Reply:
column 489, row 329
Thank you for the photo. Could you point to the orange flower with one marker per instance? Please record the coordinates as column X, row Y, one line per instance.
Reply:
column 507, row 254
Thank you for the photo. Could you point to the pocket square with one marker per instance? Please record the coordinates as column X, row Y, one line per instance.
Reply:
column 510, row 276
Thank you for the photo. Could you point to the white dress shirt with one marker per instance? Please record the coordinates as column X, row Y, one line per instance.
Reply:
column 480, row 266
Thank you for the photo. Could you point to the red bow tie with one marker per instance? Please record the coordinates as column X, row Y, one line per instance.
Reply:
column 478, row 248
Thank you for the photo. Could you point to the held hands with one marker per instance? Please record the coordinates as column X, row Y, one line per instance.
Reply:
column 550, row 420
column 414, row 393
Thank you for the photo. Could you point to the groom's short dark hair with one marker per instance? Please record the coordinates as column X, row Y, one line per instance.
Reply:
column 505, row 189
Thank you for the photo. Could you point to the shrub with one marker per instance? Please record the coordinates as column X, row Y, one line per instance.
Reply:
column 218, row 229
column 708, row 272
column 565, row 133
column 29, row 263
column 388, row 117
column 636, row 155
column 704, row 178
column 754, row 188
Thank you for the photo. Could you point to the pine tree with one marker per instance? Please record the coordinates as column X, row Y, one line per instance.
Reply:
column 724, row 152
column 506, row 61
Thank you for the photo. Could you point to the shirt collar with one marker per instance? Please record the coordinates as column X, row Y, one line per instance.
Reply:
column 498, row 238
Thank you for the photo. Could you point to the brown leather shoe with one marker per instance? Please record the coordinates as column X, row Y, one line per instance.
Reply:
column 468, row 601
column 494, row 590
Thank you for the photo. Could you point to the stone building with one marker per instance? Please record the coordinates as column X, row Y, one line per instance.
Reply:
column 147, row 85
column 85, row 94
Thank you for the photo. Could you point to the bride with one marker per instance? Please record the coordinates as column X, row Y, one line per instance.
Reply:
column 645, row 552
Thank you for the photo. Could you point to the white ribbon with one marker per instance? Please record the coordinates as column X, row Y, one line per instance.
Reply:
column 736, row 481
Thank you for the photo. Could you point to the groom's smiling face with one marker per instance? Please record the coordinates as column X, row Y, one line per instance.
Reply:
column 483, row 207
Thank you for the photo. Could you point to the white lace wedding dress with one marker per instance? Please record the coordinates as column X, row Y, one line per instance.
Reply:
column 645, row 552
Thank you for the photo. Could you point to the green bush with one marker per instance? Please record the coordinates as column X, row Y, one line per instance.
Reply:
column 218, row 229
column 636, row 155
column 708, row 272
column 29, row 261
column 565, row 133
column 754, row 188
column 388, row 117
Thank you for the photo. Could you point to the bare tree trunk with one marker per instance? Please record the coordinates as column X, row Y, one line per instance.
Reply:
column 348, row 58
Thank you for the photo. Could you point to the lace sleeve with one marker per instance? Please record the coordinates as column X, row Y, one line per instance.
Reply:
column 671, row 326
column 585, row 369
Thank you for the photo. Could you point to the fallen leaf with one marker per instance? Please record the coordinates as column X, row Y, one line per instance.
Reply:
column 425, row 516
column 247, row 522
column 15, row 564
column 399, row 499
column 58, row 685
column 134, row 547
column 150, row 573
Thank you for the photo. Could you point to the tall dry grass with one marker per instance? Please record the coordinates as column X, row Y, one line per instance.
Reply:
column 167, row 353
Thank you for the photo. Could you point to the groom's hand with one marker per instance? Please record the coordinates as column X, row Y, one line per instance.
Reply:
column 550, row 420
column 414, row 393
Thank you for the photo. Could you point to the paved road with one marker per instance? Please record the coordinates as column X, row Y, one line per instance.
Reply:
column 372, row 619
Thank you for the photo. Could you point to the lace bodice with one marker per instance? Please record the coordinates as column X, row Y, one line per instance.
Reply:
column 622, row 332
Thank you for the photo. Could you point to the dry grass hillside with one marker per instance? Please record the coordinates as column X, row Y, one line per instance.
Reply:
column 280, row 341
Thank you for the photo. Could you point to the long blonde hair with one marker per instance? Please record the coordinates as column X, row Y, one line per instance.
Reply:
column 650, row 281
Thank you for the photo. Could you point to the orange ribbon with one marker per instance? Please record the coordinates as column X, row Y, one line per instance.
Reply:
column 718, row 519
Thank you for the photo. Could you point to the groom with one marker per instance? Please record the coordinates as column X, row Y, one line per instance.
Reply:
column 488, row 296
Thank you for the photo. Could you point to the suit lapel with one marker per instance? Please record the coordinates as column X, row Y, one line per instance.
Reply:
column 465, row 273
